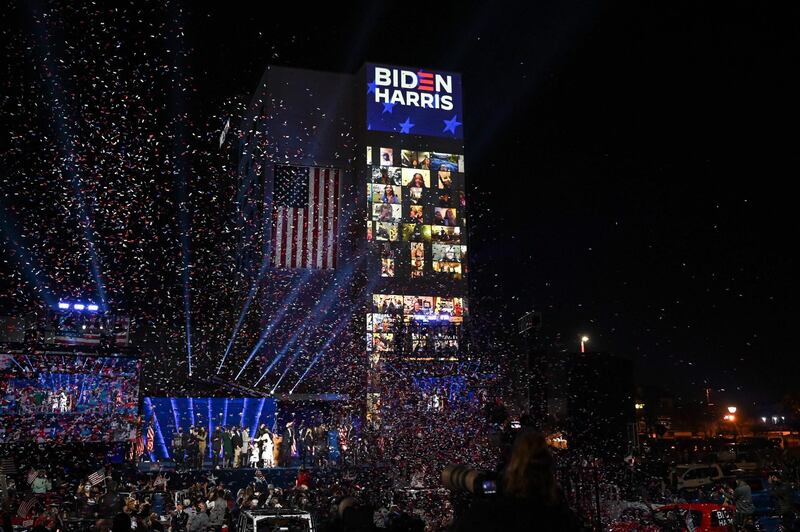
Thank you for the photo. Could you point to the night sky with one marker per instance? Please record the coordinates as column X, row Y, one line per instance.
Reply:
column 628, row 165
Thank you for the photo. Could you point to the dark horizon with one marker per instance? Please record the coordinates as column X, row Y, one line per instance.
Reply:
column 623, row 160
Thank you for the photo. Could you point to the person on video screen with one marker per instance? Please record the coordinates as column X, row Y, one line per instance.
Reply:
column 389, row 196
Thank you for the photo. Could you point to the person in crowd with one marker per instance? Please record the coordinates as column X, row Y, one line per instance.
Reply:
column 529, row 497
column 216, row 447
column 218, row 507
column 782, row 495
column 154, row 523
column 125, row 520
column 198, row 522
column 236, row 442
column 178, row 519
column 417, row 180
column 227, row 448
column 41, row 484
column 303, row 478
column 743, row 500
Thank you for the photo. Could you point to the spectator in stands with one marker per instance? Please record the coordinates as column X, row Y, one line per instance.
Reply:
column 124, row 521
column 216, row 515
column 198, row 522
column 303, row 478
column 154, row 523
column 41, row 484
column 178, row 519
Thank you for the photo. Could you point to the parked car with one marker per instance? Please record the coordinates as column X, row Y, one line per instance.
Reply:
column 693, row 476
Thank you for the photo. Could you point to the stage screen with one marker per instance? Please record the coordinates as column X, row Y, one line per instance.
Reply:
column 68, row 398
column 413, row 101
column 208, row 412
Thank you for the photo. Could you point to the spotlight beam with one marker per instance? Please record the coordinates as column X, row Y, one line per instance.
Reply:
column 275, row 321
column 65, row 135
column 342, row 324
column 321, row 310
column 245, row 309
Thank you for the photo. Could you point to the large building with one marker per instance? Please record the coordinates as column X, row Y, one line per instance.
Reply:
column 353, row 225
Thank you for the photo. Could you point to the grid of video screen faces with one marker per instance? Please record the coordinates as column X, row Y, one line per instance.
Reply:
column 415, row 325
column 417, row 212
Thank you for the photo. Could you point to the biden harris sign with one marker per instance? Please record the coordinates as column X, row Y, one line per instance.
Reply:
column 414, row 102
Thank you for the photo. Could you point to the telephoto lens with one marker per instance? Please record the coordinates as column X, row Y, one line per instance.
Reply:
column 467, row 479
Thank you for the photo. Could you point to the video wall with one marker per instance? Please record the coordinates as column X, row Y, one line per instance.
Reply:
column 49, row 398
column 417, row 212
column 416, row 228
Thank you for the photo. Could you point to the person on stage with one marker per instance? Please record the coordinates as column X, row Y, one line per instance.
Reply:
column 202, row 441
column 266, row 451
column 227, row 447
column 216, row 447
column 255, row 455
column 177, row 448
column 277, row 446
column 245, row 454
column 236, row 442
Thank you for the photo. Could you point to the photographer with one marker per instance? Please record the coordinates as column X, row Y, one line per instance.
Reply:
column 528, row 497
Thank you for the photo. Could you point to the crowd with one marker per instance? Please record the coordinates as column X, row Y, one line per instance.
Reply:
column 85, row 399
column 121, row 500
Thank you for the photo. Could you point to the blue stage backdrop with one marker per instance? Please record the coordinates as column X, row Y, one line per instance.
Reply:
column 171, row 412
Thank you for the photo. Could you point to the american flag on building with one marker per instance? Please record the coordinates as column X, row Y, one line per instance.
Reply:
column 305, row 217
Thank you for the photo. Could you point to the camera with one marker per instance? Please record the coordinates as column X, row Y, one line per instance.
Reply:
column 467, row 479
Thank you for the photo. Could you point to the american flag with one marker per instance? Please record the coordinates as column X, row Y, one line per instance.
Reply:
column 7, row 466
column 151, row 437
column 26, row 506
column 137, row 445
column 97, row 477
column 32, row 475
column 305, row 217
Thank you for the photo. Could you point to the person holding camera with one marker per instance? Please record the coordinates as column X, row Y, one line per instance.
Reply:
column 528, row 497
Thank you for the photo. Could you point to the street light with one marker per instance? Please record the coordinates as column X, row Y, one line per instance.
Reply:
column 584, row 340
column 732, row 409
